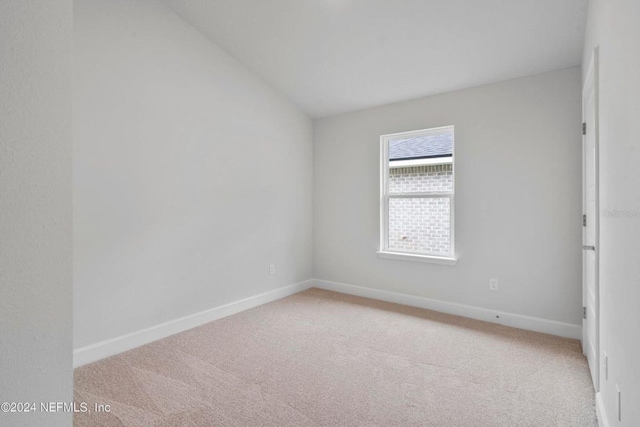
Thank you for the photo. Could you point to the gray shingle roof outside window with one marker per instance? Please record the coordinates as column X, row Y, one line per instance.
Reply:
column 437, row 145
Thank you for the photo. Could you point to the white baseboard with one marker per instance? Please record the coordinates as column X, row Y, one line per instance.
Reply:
column 103, row 349
column 95, row 352
column 600, row 412
column 508, row 319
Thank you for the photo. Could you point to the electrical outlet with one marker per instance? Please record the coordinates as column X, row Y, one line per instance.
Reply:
column 272, row 269
column 493, row 284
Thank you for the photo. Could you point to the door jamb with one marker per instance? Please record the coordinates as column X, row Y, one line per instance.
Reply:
column 594, row 70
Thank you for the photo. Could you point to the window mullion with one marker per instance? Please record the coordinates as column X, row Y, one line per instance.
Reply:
column 448, row 194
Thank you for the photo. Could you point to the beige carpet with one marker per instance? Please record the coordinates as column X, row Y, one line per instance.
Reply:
column 321, row 358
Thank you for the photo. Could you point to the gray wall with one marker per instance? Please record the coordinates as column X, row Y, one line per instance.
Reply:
column 518, row 197
column 35, row 208
column 614, row 26
column 191, row 175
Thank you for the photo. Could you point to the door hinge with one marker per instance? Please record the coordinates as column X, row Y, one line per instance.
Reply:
column 584, row 220
column 584, row 312
column 584, row 128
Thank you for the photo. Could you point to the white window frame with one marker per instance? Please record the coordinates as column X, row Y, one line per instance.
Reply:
column 384, row 251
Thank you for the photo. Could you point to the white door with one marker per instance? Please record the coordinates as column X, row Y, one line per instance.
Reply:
column 591, row 224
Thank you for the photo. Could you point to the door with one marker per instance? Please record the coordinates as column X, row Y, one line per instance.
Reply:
column 591, row 223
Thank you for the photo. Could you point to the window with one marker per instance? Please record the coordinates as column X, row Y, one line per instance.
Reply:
column 417, row 195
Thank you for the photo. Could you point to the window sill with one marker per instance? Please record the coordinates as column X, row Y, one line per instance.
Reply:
column 431, row 259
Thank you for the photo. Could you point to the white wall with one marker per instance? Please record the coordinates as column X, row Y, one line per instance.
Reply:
column 614, row 26
column 518, row 197
column 191, row 176
column 35, row 208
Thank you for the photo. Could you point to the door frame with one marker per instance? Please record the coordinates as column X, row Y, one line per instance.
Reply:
column 592, row 78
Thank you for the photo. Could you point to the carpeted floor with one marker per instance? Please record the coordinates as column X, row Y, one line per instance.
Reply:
column 320, row 358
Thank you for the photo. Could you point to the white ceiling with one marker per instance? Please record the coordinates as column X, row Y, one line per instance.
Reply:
column 333, row 56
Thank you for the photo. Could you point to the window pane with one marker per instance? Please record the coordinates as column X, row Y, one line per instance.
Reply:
column 420, row 225
column 421, row 163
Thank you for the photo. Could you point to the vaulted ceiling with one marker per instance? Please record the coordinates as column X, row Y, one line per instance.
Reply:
column 334, row 56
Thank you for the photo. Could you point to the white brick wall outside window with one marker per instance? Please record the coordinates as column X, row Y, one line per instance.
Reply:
column 420, row 225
